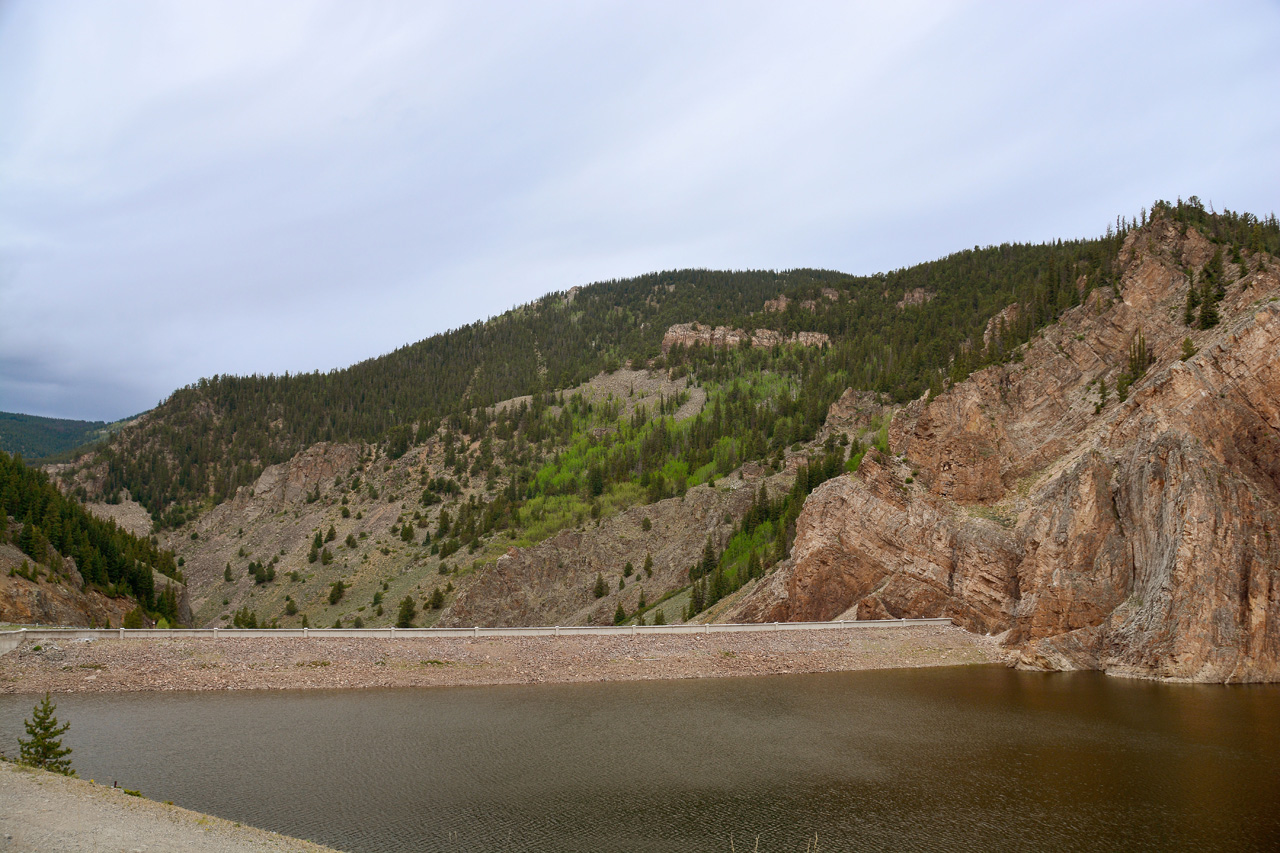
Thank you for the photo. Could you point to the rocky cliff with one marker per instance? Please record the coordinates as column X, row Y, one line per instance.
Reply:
column 1140, row 536
column 696, row 334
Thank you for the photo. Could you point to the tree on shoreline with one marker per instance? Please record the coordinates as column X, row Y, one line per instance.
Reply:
column 45, row 749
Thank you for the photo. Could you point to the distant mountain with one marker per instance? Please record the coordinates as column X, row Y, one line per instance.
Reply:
column 34, row 437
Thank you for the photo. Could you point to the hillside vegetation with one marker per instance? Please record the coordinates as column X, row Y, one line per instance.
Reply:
column 60, row 536
column 34, row 437
column 477, row 476
column 213, row 437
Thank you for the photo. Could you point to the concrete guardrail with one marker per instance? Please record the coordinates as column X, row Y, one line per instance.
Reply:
column 10, row 640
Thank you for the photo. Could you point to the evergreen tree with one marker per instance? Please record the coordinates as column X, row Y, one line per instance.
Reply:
column 601, row 589
column 619, row 615
column 44, row 748
column 407, row 612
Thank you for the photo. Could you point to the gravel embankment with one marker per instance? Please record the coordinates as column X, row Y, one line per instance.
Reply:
column 42, row 812
column 315, row 663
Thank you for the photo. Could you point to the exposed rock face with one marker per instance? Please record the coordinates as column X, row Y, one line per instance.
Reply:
column 1142, row 540
column 696, row 334
column 854, row 412
column 1000, row 322
column 551, row 583
column 53, row 599
column 916, row 296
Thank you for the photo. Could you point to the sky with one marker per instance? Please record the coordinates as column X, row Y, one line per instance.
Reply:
column 197, row 188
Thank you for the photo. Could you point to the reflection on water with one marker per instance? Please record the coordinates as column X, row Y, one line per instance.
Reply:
column 961, row 759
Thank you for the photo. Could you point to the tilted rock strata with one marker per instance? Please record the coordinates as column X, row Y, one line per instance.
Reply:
column 1143, row 540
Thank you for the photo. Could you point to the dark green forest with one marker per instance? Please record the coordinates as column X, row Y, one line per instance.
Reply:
column 50, row 527
column 212, row 437
column 34, row 437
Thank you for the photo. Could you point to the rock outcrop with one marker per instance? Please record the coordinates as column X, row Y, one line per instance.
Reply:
column 45, row 597
column 551, row 583
column 1137, row 536
column 696, row 334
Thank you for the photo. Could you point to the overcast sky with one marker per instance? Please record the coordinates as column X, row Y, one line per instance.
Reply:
column 191, row 188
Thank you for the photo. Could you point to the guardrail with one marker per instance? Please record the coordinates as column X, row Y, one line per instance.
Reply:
column 12, row 639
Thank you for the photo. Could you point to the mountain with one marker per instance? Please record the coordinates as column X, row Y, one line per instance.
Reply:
column 1109, row 499
column 441, row 463
column 970, row 437
column 34, row 437
column 207, row 440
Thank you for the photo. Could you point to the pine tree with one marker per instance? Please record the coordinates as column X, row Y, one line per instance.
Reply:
column 407, row 612
column 45, row 749
column 619, row 615
column 601, row 589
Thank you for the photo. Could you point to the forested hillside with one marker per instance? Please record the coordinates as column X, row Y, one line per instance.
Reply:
column 897, row 333
column 34, row 437
column 50, row 527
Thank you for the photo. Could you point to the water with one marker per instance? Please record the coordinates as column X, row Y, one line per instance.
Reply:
column 958, row 759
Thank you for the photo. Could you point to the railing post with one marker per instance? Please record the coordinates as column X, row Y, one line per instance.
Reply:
column 122, row 632
column 557, row 630
column 475, row 631
column 306, row 633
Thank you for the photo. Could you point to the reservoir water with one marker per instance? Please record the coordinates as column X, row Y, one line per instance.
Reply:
column 955, row 759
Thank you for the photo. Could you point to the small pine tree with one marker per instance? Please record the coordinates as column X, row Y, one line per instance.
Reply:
column 336, row 591
column 226, row 574
column 660, row 619
column 601, row 589
column 619, row 615
column 437, row 599
column 407, row 612
column 1188, row 349
column 45, row 749
column 648, row 565
column 331, row 535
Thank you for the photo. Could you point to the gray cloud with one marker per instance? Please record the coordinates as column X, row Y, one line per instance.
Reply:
column 190, row 189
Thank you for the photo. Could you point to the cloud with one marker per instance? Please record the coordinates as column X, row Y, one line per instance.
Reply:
column 230, row 187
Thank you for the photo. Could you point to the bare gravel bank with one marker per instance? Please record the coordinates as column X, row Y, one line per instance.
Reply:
column 316, row 663
column 44, row 812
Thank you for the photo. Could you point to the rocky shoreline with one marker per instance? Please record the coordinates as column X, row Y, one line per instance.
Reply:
column 110, row 666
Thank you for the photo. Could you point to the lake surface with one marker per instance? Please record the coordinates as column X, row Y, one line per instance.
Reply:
column 955, row 759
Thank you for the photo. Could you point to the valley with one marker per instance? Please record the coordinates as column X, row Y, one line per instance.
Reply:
column 1070, row 447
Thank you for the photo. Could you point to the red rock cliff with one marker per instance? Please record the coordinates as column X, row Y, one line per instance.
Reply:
column 1141, row 537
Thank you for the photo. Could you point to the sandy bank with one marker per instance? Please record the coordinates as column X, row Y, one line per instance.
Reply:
column 314, row 663
column 43, row 812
